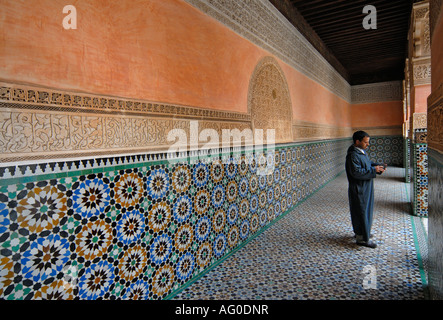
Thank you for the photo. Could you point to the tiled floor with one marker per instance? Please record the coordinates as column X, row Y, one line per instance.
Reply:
column 310, row 253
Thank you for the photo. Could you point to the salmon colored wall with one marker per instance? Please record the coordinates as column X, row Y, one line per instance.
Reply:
column 164, row 51
column 421, row 94
column 312, row 102
column 381, row 114
column 159, row 50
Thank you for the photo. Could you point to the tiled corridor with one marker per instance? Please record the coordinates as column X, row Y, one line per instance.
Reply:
column 310, row 252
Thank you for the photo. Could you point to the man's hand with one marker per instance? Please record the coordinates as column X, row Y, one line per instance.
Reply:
column 379, row 169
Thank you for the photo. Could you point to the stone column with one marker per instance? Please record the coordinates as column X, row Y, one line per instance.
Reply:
column 435, row 154
column 406, row 116
column 419, row 76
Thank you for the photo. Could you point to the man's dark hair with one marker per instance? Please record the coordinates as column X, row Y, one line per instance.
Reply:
column 359, row 135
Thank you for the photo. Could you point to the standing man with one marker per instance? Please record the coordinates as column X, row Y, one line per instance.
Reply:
column 360, row 172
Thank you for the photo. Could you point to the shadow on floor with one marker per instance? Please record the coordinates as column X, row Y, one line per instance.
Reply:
column 346, row 241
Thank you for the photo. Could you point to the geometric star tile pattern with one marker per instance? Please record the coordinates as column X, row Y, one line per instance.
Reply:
column 419, row 192
column 387, row 149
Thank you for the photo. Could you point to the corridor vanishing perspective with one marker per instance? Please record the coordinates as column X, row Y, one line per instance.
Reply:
column 310, row 253
column 195, row 149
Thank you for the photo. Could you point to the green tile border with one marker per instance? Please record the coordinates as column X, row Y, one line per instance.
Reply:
column 417, row 248
column 422, row 269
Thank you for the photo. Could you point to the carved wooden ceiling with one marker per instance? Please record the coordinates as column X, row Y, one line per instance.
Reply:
column 335, row 28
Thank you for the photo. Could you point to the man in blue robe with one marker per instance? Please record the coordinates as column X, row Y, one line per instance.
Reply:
column 360, row 171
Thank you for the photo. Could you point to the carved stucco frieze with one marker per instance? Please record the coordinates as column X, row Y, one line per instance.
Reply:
column 421, row 31
column 51, row 99
column 306, row 131
column 419, row 127
column 421, row 71
column 27, row 134
column 419, row 120
column 377, row 92
column 435, row 119
column 38, row 123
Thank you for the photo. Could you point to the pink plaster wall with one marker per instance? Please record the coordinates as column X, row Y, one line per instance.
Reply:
column 421, row 94
column 380, row 114
column 312, row 102
column 159, row 50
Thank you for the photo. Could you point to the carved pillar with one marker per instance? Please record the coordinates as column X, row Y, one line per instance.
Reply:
column 435, row 155
column 418, row 82
column 406, row 129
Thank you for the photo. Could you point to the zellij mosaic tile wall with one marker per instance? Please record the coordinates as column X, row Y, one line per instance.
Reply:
column 141, row 227
column 419, row 173
column 419, row 185
column 388, row 149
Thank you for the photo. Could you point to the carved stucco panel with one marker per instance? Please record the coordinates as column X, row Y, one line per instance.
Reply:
column 421, row 31
column 435, row 120
column 269, row 101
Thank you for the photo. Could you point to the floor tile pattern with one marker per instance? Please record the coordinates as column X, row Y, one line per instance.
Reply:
column 311, row 254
